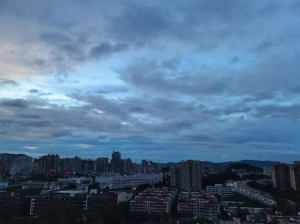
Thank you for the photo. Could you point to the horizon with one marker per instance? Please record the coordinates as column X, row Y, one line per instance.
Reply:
column 208, row 80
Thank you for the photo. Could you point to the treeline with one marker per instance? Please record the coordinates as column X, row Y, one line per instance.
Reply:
column 243, row 166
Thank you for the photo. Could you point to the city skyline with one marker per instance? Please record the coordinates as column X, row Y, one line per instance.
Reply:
column 204, row 80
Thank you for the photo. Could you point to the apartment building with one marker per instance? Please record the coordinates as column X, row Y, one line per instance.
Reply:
column 119, row 182
column 72, row 198
column 198, row 203
column 9, row 195
column 295, row 175
column 153, row 201
column 48, row 164
column 219, row 189
column 175, row 179
column 281, row 176
column 190, row 174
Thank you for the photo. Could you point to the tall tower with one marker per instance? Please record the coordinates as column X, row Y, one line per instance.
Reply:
column 281, row 176
column 295, row 175
column 116, row 160
column 191, row 175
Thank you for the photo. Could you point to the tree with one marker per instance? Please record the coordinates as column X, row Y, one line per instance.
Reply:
column 143, row 187
column 94, row 186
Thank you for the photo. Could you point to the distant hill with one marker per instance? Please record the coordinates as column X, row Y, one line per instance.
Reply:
column 12, row 155
column 257, row 163
column 243, row 166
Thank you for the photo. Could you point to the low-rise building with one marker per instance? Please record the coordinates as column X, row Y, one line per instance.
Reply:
column 133, row 181
column 219, row 189
column 153, row 201
column 72, row 198
column 199, row 204
column 9, row 195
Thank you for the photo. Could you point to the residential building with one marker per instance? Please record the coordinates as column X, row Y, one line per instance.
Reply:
column 35, row 166
column 9, row 195
column 153, row 201
column 128, row 167
column 295, row 175
column 117, row 161
column 144, row 163
column 175, row 177
column 219, row 189
column 190, row 174
column 102, row 164
column 198, row 203
column 133, row 181
column 49, row 164
column 72, row 198
column 21, row 165
column 281, row 176
column 88, row 166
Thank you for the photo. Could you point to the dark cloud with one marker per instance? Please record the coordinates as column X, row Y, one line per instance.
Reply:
column 8, row 83
column 33, row 91
column 18, row 103
column 55, row 38
column 105, row 49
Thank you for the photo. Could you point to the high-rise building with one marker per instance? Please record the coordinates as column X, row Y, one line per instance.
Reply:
column 111, row 168
column 144, row 163
column 88, row 166
column 281, row 176
column 128, row 167
column 295, row 175
column 102, row 164
column 191, row 175
column 49, row 164
column 117, row 161
column 175, row 177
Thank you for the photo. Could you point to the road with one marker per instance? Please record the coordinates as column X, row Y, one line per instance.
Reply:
column 242, row 188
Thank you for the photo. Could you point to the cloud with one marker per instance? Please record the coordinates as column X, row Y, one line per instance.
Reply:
column 8, row 83
column 18, row 103
column 30, row 147
column 84, row 146
column 105, row 49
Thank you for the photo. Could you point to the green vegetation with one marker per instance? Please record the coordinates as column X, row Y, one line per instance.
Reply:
column 94, row 186
column 243, row 166
column 143, row 187
column 212, row 179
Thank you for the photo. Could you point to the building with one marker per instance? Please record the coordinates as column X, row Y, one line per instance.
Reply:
column 295, row 175
column 199, row 204
column 49, row 164
column 219, row 189
column 267, row 171
column 190, row 174
column 102, row 164
column 153, row 201
column 117, row 161
column 35, row 166
column 281, row 176
column 128, row 166
column 88, row 166
column 72, row 198
column 21, row 165
column 144, row 163
column 133, row 181
column 175, row 178
column 9, row 195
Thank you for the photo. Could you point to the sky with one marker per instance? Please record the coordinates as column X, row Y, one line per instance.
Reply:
column 166, row 81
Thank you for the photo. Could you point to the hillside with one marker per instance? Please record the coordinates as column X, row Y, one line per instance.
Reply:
column 243, row 166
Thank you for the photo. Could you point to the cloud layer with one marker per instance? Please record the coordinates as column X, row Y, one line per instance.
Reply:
column 212, row 80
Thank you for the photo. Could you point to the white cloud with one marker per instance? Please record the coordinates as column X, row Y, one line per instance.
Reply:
column 30, row 147
column 85, row 146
